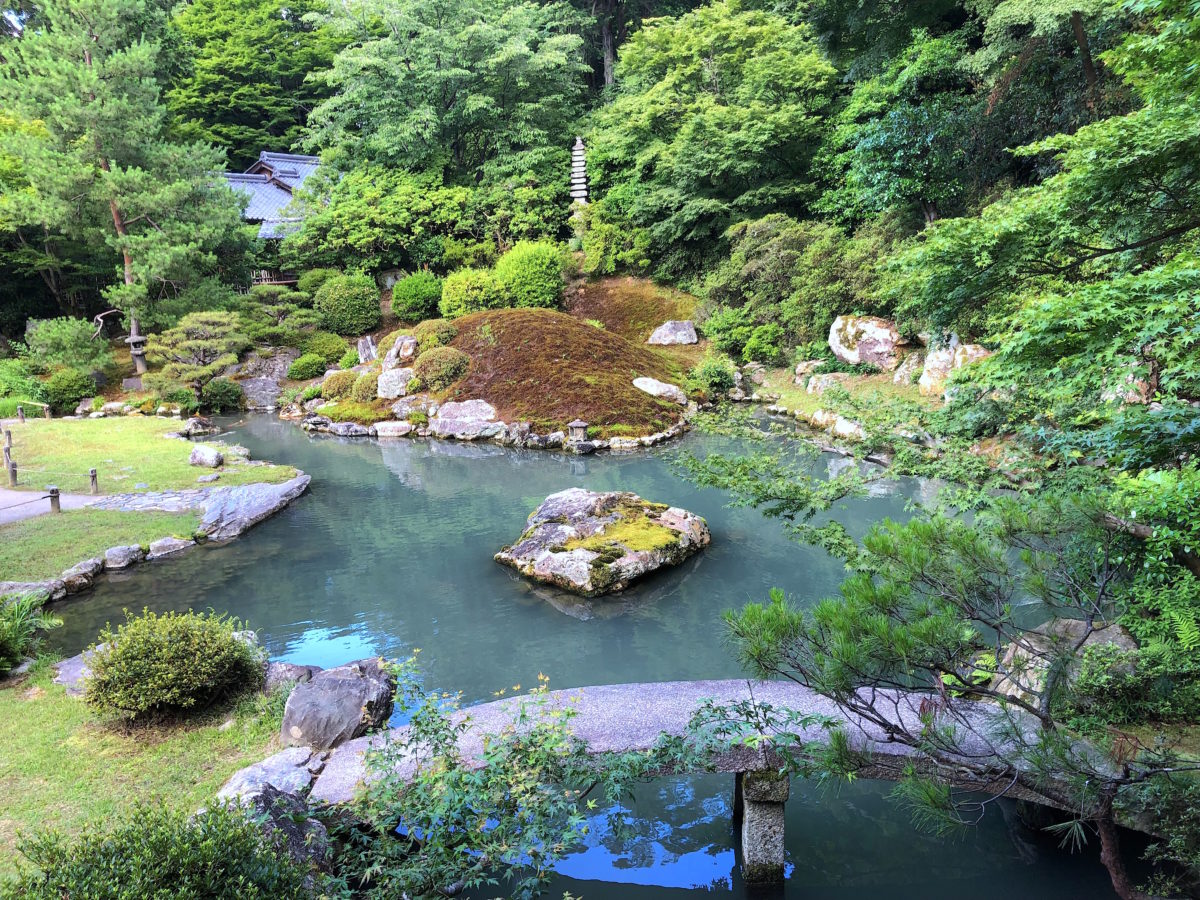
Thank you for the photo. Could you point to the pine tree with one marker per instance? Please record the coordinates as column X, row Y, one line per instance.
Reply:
column 101, row 167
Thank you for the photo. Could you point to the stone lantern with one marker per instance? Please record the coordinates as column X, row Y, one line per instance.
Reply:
column 577, row 431
column 137, row 349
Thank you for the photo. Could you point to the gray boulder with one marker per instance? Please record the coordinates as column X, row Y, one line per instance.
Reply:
column 197, row 426
column 209, row 457
column 656, row 388
column 123, row 557
column 286, row 821
column 73, row 672
column 467, row 421
column 367, row 351
column 281, row 674
column 593, row 543
column 338, row 705
column 288, row 770
column 403, row 351
column 675, row 332
column 208, row 479
column 393, row 383
column 81, row 575
column 392, row 429
column 168, row 546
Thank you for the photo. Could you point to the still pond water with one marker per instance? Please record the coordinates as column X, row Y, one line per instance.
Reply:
column 391, row 550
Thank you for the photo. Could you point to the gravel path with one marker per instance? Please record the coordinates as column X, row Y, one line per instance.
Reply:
column 18, row 505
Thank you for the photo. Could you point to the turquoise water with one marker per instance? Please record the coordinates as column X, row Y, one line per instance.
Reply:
column 390, row 551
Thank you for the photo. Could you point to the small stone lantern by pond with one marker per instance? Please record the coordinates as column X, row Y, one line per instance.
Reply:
column 577, row 430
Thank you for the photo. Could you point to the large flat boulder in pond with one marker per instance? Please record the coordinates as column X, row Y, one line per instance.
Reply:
column 338, row 705
column 594, row 543
column 675, row 332
column 867, row 340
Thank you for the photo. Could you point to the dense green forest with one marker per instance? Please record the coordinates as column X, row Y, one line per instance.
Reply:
column 1019, row 174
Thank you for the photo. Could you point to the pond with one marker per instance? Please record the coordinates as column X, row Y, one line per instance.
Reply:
column 390, row 551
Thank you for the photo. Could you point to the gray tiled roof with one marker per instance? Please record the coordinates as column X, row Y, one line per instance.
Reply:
column 268, row 186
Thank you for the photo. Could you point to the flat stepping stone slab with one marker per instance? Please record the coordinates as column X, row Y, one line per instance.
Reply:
column 594, row 543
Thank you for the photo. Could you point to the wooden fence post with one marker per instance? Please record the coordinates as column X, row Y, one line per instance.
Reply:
column 7, row 437
column 20, row 414
column 95, row 482
column 55, row 502
column 12, row 473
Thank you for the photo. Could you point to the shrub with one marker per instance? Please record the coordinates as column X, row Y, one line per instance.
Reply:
column 532, row 274
column 183, row 398
column 222, row 394
column 350, row 411
column 764, row 344
column 277, row 324
column 349, row 359
column 471, row 290
column 21, row 618
column 310, row 365
column 440, row 367
column 311, row 281
column 67, row 342
column 714, row 375
column 416, row 297
column 326, row 345
column 17, row 381
column 8, row 408
column 348, row 304
column 729, row 328
column 434, row 333
column 170, row 664
column 338, row 385
column 219, row 852
column 312, row 392
column 366, row 387
column 66, row 387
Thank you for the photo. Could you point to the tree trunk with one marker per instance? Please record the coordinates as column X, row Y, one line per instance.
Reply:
column 930, row 211
column 1110, row 855
column 1085, row 52
column 608, row 44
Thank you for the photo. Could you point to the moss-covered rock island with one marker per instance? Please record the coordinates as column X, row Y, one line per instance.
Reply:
column 595, row 543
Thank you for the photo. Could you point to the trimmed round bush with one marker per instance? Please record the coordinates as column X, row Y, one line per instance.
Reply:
column 471, row 290
column 152, row 851
column 715, row 375
column 349, row 359
column 434, row 333
column 66, row 387
column 338, row 385
column 310, row 282
column 440, row 367
column 532, row 274
column 222, row 394
column 348, row 304
column 324, row 344
column 366, row 387
column 310, row 365
column 416, row 297
column 170, row 664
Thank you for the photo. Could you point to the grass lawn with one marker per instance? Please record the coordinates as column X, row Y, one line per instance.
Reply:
column 42, row 547
column 63, row 767
column 866, row 388
column 126, row 451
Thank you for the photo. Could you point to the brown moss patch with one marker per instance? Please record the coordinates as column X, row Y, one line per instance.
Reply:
column 633, row 308
column 546, row 368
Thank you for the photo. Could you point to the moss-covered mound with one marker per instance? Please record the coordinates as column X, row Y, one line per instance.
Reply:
column 548, row 368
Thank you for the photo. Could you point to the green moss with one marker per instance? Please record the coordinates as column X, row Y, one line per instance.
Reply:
column 634, row 531
column 350, row 411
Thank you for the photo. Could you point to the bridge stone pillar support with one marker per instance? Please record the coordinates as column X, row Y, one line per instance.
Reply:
column 759, row 798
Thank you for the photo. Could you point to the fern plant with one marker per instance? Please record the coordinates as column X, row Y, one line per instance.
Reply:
column 21, row 618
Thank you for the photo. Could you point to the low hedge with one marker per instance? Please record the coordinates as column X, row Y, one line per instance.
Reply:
column 440, row 367
column 222, row 394
column 471, row 290
column 416, row 297
column 170, row 664
column 366, row 387
column 338, row 385
column 324, row 344
column 434, row 333
column 310, row 365
column 348, row 304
